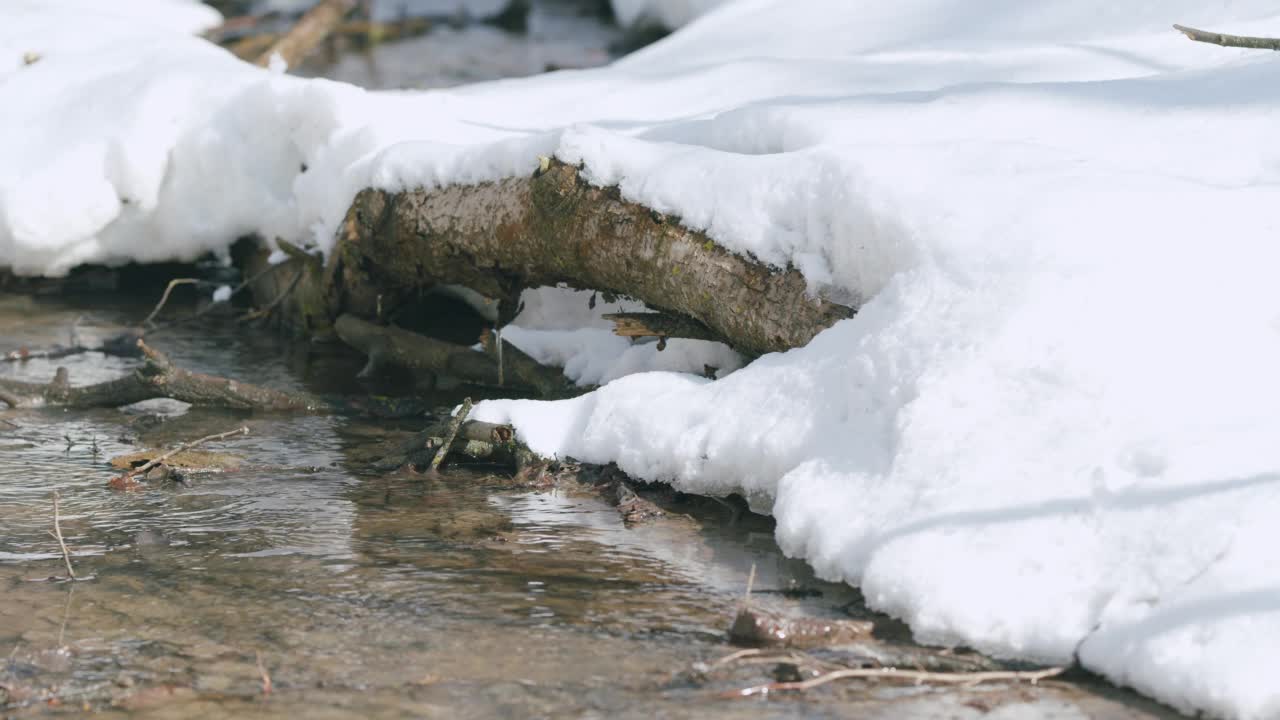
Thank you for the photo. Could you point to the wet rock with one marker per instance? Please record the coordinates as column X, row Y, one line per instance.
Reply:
column 754, row 627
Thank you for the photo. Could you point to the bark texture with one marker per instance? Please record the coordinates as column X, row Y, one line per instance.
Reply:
column 501, row 237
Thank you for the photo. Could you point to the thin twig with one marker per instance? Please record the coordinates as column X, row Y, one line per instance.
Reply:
column 165, row 297
column 262, row 671
column 142, row 470
column 264, row 312
column 244, row 284
column 66, row 613
column 917, row 676
column 451, row 434
column 734, row 657
column 1239, row 41
column 57, row 533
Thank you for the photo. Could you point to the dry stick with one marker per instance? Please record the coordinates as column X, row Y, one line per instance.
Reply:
column 1240, row 41
column 165, row 297
column 919, row 676
column 57, row 533
column 313, row 27
column 264, row 312
column 453, row 433
column 262, row 671
column 66, row 614
column 734, row 657
column 234, row 292
column 142, row 470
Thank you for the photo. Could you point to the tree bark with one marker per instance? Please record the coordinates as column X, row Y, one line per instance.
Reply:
column 501, row 237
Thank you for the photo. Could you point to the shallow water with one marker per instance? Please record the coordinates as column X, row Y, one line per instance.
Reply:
column 368, row 594
column 562, row 35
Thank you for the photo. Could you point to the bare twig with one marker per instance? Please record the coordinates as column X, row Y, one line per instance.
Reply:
column 1239, row 41
column 142, row 469
column 165, row 297
column 244, row 284
column 264, row 312
column 734, row 657
column 919, row 677
column 451, row 434
column 66, row 614
column 57, row 534
column 262, row 672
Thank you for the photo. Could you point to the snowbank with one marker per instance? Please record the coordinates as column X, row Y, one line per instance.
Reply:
column 1050, row 430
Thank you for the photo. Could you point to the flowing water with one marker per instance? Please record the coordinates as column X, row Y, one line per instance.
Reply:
column 367, row 594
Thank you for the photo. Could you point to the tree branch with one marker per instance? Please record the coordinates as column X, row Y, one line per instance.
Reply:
column 157, row 377
column 1240, row 41
column 314, row 26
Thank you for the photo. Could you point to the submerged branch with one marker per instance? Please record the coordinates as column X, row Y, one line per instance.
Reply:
column 393, row 346
column 157, row 377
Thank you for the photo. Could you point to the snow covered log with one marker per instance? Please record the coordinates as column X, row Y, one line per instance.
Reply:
column 501, row 237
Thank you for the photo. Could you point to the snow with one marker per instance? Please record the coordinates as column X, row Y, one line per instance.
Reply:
column 1049, row 431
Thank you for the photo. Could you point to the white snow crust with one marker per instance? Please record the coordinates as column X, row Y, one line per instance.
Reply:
column 1050, row 432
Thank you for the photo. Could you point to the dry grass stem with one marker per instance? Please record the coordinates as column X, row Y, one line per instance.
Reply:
column 920, row 677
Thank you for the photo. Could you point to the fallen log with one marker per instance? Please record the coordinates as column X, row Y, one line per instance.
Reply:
column 392, row 346
column 157, row 377
column 501, row 237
